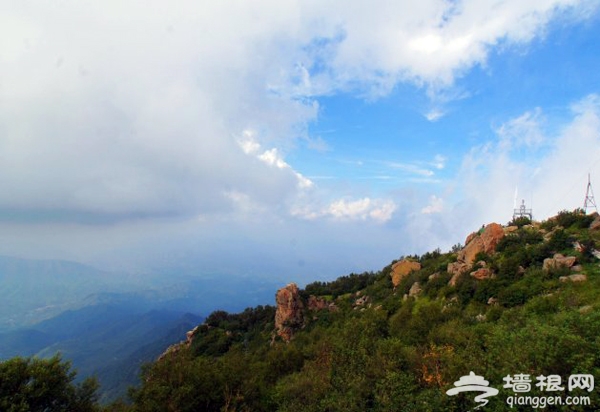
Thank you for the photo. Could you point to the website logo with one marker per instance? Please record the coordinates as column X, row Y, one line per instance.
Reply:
column 474, row 383
column 548, row 390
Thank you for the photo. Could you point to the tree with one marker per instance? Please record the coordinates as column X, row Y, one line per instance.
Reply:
column 44, row 385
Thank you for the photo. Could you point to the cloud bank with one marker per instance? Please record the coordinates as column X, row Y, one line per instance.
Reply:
column 117, row 113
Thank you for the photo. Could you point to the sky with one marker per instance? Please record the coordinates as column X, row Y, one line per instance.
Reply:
column 291, row 140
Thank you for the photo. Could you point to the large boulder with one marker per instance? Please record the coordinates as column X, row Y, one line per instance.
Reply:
column 402, row 269
column 415, row 290
column 485, row 241
column 289, row 314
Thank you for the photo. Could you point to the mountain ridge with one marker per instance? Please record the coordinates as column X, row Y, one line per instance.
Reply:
column 364, row 342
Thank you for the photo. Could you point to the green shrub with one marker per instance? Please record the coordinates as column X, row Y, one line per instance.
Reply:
column 576, row 219
column 342, row 285
column 487, row 289
column 32, row 384
column 520, row 221
column 433, row 287
column 465, row 288
column 513, row 295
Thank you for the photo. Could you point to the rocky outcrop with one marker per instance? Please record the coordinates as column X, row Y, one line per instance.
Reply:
column 458, row 268
column 402, row 269
column 484, row 241
column 559, row 261
column 289, row 314
column 415, row 290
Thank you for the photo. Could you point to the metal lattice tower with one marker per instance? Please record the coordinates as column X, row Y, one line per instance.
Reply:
column 589, row 197
column 523, row 212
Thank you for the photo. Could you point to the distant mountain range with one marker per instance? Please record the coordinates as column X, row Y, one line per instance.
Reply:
column 110, row 341
column 107, row 324
column 34, row 290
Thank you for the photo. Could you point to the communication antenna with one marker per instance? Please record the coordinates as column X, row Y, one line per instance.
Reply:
column 522, row 211
column 589, row 197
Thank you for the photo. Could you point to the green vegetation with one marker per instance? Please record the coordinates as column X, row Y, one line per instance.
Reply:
column 379, row 350
column 342, row 285
column 40, row 385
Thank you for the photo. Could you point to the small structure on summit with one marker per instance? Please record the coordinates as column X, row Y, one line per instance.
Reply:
column 522, row 211
column 589, row 202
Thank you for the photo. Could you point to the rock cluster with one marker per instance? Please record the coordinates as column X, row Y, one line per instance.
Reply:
column 484, row 241
column 559, row 261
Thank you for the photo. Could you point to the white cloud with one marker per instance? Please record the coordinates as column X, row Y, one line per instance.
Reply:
column 411, row 168
column 523, row 131
column 436, row 205
column 436, row 41
column 434, row 115
column 271, row 157
column 129, row 109
column 378, row 210
column 439, row 161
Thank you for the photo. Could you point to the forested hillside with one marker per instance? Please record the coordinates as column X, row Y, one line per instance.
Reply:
column 516, row 299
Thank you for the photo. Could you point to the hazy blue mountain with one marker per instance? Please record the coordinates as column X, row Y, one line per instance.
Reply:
column 108, row 324
column 34, row 290
column 110, row 341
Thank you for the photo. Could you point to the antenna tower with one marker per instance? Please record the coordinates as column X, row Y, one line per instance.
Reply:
column 589, row 197
column 522, row 212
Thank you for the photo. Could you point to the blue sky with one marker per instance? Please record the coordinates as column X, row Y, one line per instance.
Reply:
column 363, row 138
column 291, row 140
